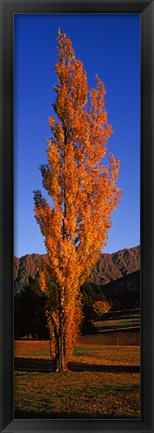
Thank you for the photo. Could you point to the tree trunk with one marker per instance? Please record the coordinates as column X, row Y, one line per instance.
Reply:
column 61, row 363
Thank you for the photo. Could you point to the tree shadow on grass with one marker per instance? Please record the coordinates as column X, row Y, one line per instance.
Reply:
column 47, row 366
column 21, row 414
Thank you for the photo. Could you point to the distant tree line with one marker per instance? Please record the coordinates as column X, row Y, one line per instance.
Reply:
column 30, row 305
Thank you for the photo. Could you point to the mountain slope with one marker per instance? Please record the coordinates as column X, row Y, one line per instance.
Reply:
column 109, row 267
column 124, row 292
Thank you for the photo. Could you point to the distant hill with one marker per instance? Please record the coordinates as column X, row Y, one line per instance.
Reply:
column 25, row 267
column 110, row 267
column 113, row 266
column 123, row 292
column 115, row 276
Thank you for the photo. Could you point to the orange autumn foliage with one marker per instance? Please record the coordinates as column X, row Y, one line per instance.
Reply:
column 101, row 307
column 84, row 193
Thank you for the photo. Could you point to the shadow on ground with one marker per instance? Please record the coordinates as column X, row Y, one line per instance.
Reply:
column 46, row 366
column 19, row 414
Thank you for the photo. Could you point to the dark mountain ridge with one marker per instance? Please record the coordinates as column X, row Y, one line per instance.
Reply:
column 115, row 276
column 109, row 267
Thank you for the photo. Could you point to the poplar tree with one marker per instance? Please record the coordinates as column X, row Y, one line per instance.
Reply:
column 84, row 192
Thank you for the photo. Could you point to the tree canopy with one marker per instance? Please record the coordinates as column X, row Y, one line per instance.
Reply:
column 84, row 193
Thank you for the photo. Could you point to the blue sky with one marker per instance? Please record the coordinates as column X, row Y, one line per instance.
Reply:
column 109, row 46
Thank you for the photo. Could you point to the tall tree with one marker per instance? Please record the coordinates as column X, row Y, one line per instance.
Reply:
column 84, row 193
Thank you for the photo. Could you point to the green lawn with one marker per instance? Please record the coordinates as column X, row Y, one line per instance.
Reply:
column 97, row 390
column 111, row 354
column 117, row 320
column 117, row 323
column 79, row 395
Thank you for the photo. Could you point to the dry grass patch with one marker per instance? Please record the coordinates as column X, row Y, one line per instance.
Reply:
column 81, row 395
column 78, row 394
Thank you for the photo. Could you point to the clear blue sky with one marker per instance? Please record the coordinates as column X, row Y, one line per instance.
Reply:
column 109, row 45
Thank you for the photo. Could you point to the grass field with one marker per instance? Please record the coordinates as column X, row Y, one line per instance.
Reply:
column 127, row 319
column 116, row 324
column 103, row 381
